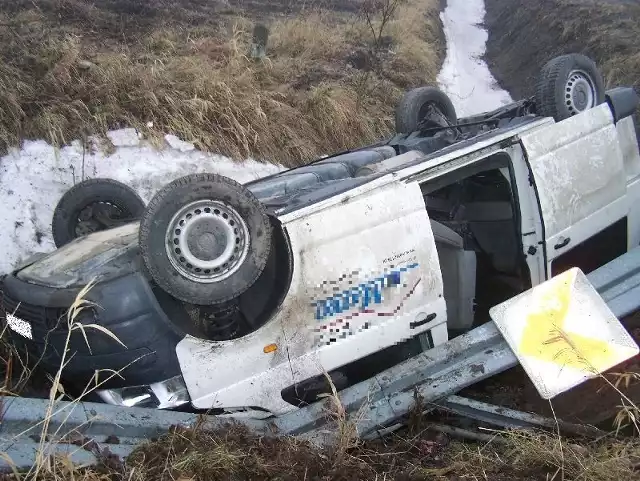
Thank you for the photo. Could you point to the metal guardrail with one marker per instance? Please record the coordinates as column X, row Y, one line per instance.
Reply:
column 510, row 418
column 375, row 405
column 618, row 283
column 446, row 369
column 389, row 396
column 83, row 430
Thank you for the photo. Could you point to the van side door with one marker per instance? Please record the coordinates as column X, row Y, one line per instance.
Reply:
column 577, row 169
column 365, row 277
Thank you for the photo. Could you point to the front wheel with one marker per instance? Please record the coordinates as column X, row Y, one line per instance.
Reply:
column 205, row 239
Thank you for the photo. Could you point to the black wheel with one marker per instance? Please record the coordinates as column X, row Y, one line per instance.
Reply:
column 205, row 239
column 568, row 85
column 94, row 205
column 414, row 106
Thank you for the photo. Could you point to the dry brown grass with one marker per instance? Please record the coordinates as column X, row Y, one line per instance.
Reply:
column 540, row 456
column 60, row 467
column 192, row 78
column 234, row 453
column 19, row 375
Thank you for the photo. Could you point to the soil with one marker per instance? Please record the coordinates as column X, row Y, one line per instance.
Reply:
column 517, row 49
column 77, row 68
column 234, row 453
column 159, row 55
column 594, row 402
column 524, row 35
column 114, row 16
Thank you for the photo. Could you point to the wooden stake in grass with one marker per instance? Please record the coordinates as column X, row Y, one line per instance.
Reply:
column 258, row 49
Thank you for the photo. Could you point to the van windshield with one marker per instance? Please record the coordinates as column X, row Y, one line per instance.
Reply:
column 98, row 256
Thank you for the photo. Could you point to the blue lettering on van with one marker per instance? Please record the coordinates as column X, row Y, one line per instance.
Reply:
column 361, row 296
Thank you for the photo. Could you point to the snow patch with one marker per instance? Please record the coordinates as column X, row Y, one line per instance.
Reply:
column 33, row 179
column 178, row 144
column 124, row 137
column 465, row 76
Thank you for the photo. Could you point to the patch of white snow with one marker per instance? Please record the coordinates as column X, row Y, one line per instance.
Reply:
column 178, row 144
column 465, row 76
column 124, row 137
column 33, row 179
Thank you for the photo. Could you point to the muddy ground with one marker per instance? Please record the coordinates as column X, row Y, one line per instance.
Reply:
column 524, row 35
column 412, row 454
column 594, row 402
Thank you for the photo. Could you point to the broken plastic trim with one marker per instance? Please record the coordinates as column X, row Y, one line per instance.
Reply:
column 168, row 394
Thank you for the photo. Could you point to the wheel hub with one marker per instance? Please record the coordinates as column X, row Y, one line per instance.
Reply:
column 207, row 241
column 580, row 92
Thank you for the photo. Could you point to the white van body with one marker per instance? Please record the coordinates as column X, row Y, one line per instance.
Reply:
column 376, row 265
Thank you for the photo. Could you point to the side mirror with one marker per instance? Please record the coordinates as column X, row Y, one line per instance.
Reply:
column 623, row 102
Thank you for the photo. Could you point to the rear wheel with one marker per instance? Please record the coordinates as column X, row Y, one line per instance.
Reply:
column 567, row 86
column 205, row 239
column 94, row 205
column 416, row 104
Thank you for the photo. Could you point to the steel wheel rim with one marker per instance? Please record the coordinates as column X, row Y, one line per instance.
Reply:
column 207, row 241
column 580, row 92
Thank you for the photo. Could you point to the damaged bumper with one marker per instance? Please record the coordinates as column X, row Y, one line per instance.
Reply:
column 169, row 394
column 128, row 308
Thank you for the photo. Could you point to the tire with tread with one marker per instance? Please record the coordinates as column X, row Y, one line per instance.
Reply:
column 158, row 215
column 410, row 109
column 85, row 193
column 551, row 88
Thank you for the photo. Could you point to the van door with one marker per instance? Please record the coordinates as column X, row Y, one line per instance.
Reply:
column 365, row 277
column 578, row 172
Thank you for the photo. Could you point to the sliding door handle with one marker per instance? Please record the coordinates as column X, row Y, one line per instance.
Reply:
column 562, row 242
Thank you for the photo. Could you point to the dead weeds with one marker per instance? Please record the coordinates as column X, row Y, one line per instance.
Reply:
column 73, row 68
column 540, row 456
column 233, row 453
